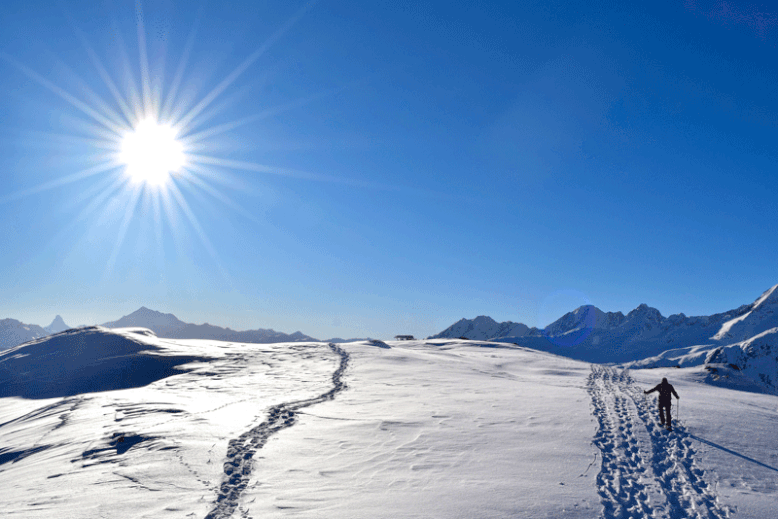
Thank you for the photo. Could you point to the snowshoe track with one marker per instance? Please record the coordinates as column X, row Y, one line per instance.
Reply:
column 646, row 471
column 241, row 450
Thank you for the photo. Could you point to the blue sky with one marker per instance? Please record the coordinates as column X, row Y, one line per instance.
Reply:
column 375, row 168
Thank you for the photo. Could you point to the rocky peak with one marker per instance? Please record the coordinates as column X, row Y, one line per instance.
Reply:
column 57, row 325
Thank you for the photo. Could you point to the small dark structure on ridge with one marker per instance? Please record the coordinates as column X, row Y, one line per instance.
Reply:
column 404, row 337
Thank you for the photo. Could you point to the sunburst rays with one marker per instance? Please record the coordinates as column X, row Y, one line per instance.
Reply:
column 135, row 97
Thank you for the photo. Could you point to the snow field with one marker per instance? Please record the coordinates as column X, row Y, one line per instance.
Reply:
column 734, row 435
column 437, row 429
column 156, row 451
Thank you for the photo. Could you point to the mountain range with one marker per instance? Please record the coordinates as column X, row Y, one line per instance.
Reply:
column 740, row 342
column 169, row 326
column 13, row 332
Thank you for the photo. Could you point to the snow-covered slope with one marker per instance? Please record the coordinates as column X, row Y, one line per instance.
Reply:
column 84, row 360
column 759, row 317
column 13, row 332
column 751, row 365
column 168, row 325
column 439, row 428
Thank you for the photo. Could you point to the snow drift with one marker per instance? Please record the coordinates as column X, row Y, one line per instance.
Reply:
column 85, row 360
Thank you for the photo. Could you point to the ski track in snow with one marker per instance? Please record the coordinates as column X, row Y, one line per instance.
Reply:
column 646, row 470
column 237, row 467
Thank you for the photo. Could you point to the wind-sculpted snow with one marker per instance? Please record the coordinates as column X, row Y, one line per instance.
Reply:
column 444, row 429
column 84, row 360
column 646, row 471
column 241, row 450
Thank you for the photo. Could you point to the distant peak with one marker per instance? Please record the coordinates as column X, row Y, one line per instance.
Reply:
column 643, row 310
column 148, row 311
column 57, row 325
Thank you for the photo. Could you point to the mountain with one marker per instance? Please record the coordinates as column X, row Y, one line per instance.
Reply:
column 13, row 332
column 592, row 335
column 169, row 326
column 57, row 325
column 482, row 328
column 752, row 320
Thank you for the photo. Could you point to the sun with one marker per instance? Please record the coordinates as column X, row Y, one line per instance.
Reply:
column 151, row 152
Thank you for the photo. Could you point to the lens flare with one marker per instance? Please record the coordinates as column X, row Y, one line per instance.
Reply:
column 151, row 152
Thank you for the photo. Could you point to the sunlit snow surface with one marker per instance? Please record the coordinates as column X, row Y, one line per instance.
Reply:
column 439, row 428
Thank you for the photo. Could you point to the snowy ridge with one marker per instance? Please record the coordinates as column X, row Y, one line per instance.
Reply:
column 750, row 365
column 84, row 360
column 761, row 315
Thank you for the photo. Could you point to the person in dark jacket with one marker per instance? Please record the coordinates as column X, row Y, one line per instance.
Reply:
column 665, row 401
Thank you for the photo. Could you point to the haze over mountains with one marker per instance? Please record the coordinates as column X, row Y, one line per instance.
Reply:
column 13, row 332
column 168, row 325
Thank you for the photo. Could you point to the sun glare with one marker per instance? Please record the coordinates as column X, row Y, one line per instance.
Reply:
column 151, row 152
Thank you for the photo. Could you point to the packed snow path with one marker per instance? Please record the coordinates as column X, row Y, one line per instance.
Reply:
column 646, row 470
column 237, row 467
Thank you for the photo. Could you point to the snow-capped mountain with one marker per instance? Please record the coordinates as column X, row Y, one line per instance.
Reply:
column 754, row 319
column 590, row 334
column 168, row 325
column 57, row 325
column 482, row 328
column 13, row 332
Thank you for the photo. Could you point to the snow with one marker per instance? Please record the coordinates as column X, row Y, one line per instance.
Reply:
column 435, row 428
column 760, row 317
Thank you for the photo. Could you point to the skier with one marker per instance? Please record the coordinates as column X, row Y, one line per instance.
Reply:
column 665, row 401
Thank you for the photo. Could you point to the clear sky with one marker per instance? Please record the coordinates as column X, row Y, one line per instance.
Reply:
column 357, row 168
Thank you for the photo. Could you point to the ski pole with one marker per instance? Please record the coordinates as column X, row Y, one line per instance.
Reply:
column 678, row 403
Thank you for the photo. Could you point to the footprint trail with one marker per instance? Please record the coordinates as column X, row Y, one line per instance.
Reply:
column 646, row 471
column 241, row 450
